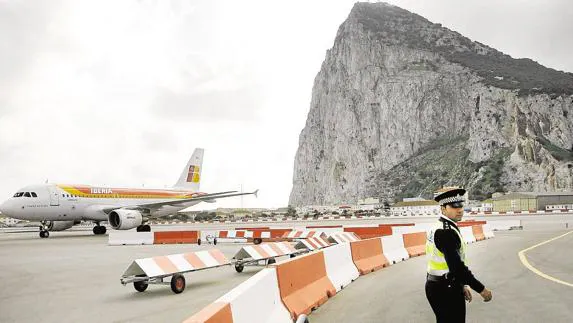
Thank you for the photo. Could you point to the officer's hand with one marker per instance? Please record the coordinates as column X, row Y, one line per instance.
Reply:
column 486, row 294
column 467, row 294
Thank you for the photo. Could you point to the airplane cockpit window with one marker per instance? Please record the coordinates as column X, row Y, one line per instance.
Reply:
column 34, row 194
column 19, row 194
column 27, row 194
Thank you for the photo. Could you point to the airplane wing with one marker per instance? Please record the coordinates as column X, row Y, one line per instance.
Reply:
column 158, row 205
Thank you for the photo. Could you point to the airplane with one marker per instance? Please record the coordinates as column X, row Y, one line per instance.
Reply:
column 58, row 207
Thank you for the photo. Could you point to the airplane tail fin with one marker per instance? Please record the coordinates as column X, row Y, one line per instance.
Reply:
column 191, row 176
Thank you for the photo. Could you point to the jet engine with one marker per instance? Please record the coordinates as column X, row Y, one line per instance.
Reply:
column 60, row 225
column 122, row 219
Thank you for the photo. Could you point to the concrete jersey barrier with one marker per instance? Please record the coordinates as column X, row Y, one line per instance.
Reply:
column 368, row 256
column 415, row 243
column 303, row 283
column 339, row 265
column 122, row 238
column 394, row 249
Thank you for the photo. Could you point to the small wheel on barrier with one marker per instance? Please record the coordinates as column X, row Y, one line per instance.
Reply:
column 239, row 268
column 177, row 283
column 257, row 240
column 140, row 286
column 199, row 241
column 215, row 241
column 271, row 261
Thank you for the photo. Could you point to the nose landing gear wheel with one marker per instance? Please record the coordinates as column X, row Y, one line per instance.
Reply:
column 239, row 268
column 44, row 234
column 177, row 283
column 99, row 229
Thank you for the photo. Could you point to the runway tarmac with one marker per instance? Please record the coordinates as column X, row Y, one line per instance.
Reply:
column 396, row 293
column 73, row 276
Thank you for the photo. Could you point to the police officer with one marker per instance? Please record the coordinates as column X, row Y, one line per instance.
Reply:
column 448, row 277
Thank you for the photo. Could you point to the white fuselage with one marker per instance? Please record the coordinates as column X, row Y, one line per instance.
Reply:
column 74, row 203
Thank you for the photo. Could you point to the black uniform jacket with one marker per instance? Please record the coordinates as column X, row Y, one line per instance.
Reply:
column 448, row 242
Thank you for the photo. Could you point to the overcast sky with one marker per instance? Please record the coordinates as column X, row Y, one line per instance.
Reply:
column 119, row 93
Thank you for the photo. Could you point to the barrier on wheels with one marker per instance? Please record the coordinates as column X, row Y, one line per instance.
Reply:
column 368, row 255
column 265, row 251
column 415, row 243
column 342, row 237
column 303, row 283
column 394, row 249
column 295, row 234
column 478, row 232
column 313, row 243
column 339, row 265
column 142, row 272
column 119, row 238
column 467, row 234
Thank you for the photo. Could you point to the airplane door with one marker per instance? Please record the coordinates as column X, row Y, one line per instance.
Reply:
column 54, row 196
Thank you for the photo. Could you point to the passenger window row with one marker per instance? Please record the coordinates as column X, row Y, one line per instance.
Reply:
column 26, row 194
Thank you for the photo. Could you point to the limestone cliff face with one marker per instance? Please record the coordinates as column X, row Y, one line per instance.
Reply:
column 402, row 106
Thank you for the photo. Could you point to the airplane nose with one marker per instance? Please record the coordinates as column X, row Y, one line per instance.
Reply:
column 4, row 208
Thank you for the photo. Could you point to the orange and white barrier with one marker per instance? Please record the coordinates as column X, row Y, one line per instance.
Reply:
column 415, row 243
column 368, row 256
column 303, row 283
column 394, row 249
column 178, row 263
column 175, row 237
column 370, row 231
column 295, row 234
column 239, row 305
column 306, row 282
column 339, row 265
column 478, row 232
column 265, row 251
column 313, row 243
column 467, row 234
column 342, row 237
column 119, row 238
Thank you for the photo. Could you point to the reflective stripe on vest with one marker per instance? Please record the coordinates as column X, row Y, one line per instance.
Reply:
column 437, row 264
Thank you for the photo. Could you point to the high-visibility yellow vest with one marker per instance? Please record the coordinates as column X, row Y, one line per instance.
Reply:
column 436, row 261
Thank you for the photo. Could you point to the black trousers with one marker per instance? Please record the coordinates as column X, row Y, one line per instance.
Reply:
column 447, row 301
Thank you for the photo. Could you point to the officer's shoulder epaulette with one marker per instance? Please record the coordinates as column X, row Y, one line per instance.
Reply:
column 446, row 225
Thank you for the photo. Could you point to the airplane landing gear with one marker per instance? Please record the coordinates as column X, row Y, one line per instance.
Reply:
column 99, row 229
column 44, row 233
column 143, row 228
